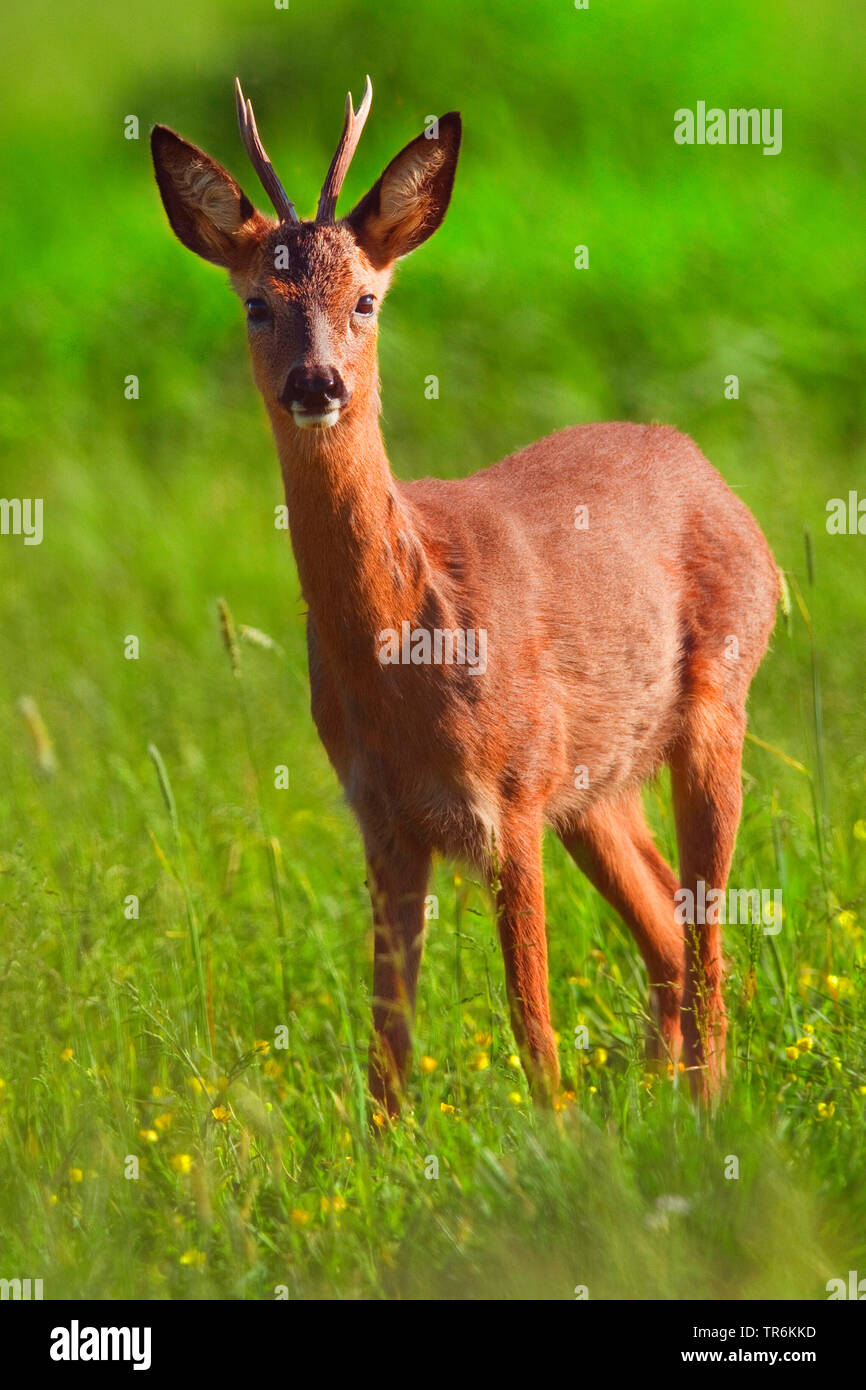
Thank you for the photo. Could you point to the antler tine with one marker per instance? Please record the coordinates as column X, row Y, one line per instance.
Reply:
column 283, row 206
column 352, row 128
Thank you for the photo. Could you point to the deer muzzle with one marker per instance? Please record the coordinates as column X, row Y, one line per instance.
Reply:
column 314, row 396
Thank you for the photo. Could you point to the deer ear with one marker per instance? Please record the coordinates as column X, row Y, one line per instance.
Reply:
column 208, row 211
column 407, row 204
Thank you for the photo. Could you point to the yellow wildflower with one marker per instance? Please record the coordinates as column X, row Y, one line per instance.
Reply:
column 839, row 986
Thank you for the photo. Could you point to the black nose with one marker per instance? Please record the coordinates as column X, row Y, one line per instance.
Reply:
column 315, row 389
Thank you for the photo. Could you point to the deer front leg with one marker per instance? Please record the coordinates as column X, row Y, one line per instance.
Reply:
column 398, row 883
column 520, row 916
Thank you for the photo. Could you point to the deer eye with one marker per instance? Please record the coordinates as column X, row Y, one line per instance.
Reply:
column 365, row 304
column 257, row 311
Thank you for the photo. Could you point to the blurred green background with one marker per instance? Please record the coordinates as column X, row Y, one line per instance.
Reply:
column 703, row 262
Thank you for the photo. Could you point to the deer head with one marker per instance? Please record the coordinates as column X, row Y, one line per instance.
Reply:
column 312, row 289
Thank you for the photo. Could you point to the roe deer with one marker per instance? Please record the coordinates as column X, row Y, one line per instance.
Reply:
column 604, row 645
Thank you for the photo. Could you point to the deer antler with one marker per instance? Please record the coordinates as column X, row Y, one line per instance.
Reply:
column 352, row 128
column 284, row 208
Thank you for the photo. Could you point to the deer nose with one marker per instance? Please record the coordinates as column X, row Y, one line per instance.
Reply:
column 314, row 389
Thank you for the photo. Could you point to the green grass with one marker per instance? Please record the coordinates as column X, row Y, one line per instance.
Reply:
column 252, row 908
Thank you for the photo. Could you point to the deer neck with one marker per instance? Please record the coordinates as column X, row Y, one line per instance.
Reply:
column 360, row 561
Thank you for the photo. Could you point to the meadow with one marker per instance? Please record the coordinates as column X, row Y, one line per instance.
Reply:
column 186, row 947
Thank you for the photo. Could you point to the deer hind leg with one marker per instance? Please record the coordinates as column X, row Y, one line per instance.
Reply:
column 613, row 845
column 398, row 882
column 706, row 771
column 522, row 935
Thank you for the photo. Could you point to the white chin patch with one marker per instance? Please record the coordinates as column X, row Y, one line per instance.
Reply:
column 306, row 420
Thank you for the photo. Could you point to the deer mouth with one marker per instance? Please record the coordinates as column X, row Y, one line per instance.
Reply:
column 322, row 419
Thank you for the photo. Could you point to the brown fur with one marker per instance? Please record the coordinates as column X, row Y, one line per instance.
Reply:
column 606, row 646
